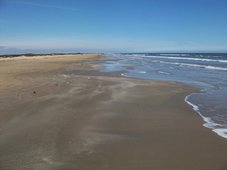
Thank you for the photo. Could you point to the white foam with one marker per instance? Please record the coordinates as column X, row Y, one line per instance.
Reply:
column 175, row 54
column 196, row 108
column 189, row 58
column 196, row 65
column 221, row 132
column 142, row 72
column 162, row 72
column 209, row 123
column 216, row 68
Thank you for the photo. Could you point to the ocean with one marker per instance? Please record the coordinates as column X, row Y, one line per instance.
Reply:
column 207, row 72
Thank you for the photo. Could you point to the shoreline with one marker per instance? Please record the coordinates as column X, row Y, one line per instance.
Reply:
column 62, row 113
column 216, row 127
column 207, row 122
column 44, row 56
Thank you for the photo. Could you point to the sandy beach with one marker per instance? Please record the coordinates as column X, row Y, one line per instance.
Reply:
column 60, row 112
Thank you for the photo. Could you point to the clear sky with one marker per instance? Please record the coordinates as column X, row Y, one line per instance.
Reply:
column 113, row 25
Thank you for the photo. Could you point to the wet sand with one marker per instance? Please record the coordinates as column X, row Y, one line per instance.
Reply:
column 60, row 112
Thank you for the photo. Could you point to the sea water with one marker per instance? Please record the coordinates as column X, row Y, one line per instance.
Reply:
column 208, row 72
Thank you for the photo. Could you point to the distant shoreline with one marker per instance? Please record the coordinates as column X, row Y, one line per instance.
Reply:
column 81, row 53
column 40, row 54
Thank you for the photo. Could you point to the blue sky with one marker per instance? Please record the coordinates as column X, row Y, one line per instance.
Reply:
column 113, row 25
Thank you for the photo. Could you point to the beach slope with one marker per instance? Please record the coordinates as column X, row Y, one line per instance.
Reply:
column 60, row 112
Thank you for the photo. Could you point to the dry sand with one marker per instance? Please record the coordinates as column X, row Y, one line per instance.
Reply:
column 59, row 112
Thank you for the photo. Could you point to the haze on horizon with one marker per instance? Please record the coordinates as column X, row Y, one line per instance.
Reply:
column 113, row 26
